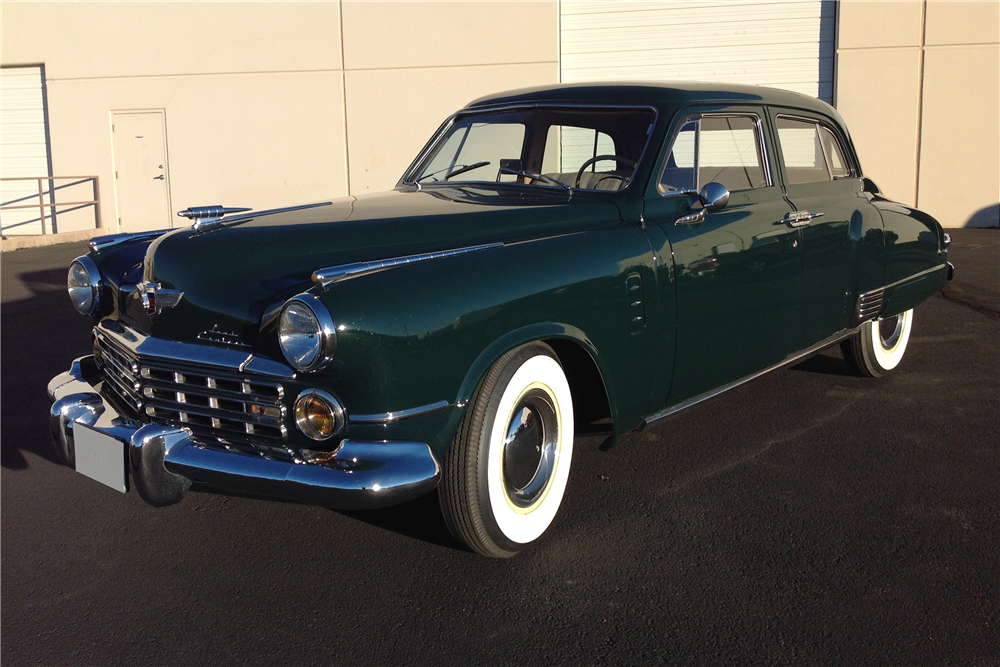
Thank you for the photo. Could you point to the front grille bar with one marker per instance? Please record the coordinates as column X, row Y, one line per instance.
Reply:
column 239, row 413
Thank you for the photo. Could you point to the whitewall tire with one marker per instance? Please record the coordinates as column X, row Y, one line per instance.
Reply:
column 879, row 346
column 506, row 472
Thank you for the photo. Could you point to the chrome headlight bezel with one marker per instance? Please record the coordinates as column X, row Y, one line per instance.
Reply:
column 326, row 333
column 96, row 284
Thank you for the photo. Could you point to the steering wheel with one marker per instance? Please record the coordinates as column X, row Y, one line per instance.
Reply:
column 598, row 158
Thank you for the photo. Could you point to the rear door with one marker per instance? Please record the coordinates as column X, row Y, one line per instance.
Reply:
column 830, row 213
column 737, row 273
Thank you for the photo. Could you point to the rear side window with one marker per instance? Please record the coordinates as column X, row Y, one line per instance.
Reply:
column 721, row 148
column 811, row 151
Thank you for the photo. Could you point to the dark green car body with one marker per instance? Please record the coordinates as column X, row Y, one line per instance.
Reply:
column 647, row 316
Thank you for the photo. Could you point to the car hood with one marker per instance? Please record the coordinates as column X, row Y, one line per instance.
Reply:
column 231, row 274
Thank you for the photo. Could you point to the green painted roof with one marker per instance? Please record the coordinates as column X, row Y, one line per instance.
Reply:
column 660, row 94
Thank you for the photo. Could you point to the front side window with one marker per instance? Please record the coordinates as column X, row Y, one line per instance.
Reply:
column 811, row 152
column 589, row 149
column 725, row 149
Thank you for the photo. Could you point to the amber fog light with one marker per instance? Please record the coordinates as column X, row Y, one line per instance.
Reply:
column 318, row 414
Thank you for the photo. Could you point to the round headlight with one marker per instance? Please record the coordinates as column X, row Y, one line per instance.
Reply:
column 318, row 414
column 306, row 333
column 84, row 285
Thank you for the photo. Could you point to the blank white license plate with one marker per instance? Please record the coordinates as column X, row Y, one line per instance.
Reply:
column 100, row 456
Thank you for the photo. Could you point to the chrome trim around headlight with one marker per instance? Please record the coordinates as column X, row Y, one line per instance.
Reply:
column 327, row 332
column 96, row 283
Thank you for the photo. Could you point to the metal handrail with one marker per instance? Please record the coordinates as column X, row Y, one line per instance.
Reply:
column 41, row 205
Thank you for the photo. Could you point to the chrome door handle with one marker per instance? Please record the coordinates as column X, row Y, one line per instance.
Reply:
column 158, row 178
column 691, row 219
column 797, row 218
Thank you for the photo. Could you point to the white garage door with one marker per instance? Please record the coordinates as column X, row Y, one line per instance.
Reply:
column 781, row 44
column 23, row 150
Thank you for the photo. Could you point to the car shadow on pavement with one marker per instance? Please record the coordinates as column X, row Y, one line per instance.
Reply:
column 41, row 337
column 419, row 519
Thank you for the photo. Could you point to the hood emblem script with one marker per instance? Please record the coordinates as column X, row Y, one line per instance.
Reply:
column 155, row 298
column 217, row 335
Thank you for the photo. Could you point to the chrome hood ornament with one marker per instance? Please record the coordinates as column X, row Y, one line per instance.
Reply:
column 155, row 298
column 208, row 216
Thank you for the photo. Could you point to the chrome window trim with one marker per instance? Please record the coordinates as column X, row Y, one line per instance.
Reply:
column 698, row 115
column 397, row 415
column 500, row 108
column 836, row 135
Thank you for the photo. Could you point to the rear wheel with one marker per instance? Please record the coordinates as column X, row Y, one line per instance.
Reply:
column 879, row 346
column 506, row 472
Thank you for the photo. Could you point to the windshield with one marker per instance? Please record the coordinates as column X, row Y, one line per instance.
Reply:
column 563, row 148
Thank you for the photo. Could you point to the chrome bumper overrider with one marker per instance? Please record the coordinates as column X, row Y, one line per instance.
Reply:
column 164, row 460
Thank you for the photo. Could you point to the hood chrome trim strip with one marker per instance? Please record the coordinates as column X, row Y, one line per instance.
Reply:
column 337, row 273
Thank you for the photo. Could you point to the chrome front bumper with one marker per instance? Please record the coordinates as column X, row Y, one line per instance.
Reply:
column 164, row 460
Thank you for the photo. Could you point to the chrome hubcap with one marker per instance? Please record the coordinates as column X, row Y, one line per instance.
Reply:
column 889, row 330
column 529, row 449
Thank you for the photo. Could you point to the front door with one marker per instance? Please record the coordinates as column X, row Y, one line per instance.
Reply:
column 142, row 181
column 738, row 273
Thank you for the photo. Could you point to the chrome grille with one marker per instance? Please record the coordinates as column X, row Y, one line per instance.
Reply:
column 121, row 373
column 869, row 306
column 235, row 413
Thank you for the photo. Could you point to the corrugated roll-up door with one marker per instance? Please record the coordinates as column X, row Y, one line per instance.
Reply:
column 786, row 45
column 24, row 150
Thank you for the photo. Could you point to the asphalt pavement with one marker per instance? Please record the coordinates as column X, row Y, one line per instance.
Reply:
column 809, row 517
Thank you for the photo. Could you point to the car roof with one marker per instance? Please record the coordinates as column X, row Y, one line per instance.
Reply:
column 660, row 94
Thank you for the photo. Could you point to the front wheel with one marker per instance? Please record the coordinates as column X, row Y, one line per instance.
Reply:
column 506, row 472
column 879, row 346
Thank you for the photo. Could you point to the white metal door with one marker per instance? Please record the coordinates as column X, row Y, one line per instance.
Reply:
column 785, row 44
column 142, row 180
column 24, row 150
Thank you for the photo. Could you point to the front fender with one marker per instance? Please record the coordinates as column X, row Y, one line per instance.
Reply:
column 419, row 334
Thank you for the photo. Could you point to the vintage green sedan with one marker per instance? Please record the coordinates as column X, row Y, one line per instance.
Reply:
column 553, row 256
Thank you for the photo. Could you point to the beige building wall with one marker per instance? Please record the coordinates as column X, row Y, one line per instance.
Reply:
column 270, row 104
column 919, row 85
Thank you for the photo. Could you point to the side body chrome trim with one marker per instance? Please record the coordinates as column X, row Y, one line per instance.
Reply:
column 790, row 360
column 915, row 276
column 390, row 417
column 337, row 273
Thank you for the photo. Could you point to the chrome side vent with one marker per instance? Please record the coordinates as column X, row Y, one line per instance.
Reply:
column 869, row 306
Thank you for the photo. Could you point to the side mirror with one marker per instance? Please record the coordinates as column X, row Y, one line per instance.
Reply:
column 714, row 196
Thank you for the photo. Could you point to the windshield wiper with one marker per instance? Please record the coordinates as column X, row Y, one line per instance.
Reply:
column 468, row 167
column 533, row 175
column 461, row 170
